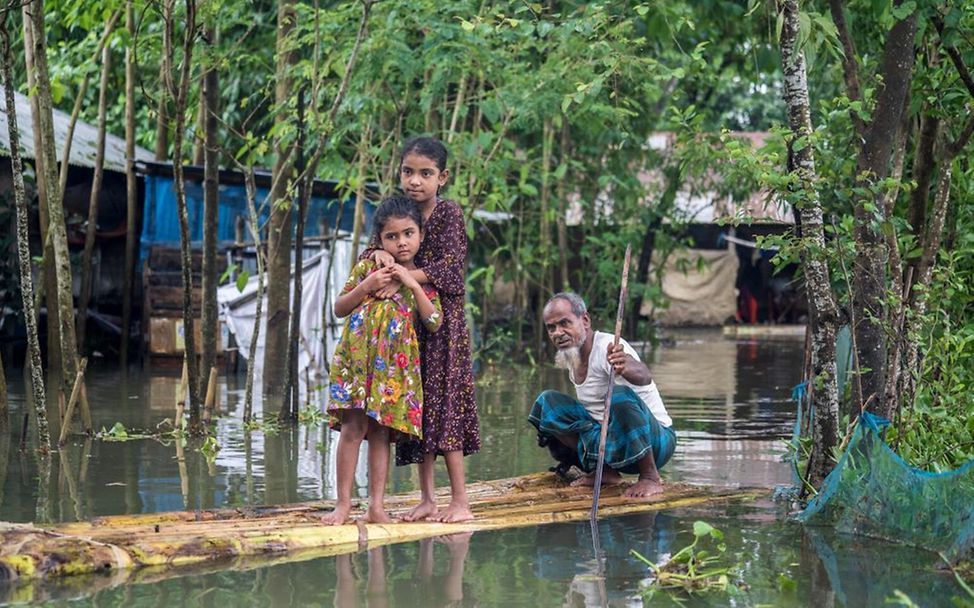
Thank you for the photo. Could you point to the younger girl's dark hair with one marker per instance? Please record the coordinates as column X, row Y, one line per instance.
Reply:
column 430, row 147
column 395, row 207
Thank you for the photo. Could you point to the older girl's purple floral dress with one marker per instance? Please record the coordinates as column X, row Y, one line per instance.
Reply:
column 376, row 365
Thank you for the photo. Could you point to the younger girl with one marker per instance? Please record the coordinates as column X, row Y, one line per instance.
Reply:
column 376, row 387
column 450, row 425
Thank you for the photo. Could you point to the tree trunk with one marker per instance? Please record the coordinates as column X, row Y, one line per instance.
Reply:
column 49, row 277
column 280, row 223
column 162, row 115
column 92, row 227
column 211, row 185
column 178, row 91
column 4, row 406
column 23, row 254
column 358, row 219
column 561, row 194
column 131, row 190
column 923, row 166
column 870, row 266
column 674, row 180
column 34, row 13
column 251, row 188
column 544, row 242
column 289, row 404
column 821, row 303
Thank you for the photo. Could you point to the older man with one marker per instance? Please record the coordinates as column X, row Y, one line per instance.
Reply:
column 640, row 435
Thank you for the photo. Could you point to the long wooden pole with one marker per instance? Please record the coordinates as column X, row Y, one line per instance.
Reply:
column 608, row 394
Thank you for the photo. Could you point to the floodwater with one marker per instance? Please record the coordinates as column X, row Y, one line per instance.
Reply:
column 730, row 403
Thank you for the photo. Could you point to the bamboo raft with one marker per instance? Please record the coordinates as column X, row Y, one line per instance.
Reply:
column 160, row 545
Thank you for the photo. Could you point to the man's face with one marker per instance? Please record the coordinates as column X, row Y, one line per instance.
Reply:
column 565, row 328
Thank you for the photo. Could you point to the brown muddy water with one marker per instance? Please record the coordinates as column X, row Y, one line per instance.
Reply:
column 730, row 401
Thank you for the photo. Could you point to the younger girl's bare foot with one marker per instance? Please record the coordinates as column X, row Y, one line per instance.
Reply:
column 424, row 510
column 454, row 513
column 376, row 515
column 609, row 478
column 337, row 517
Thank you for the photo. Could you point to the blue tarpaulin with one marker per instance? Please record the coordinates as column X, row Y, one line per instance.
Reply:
column 160, row 223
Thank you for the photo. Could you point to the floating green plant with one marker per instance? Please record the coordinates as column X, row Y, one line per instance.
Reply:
column 693, row 568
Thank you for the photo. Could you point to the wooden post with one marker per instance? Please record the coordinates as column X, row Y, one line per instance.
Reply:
column 210, row 401
column 75, row 393
column 181, row 389
column 131, row 189
column 83, row 406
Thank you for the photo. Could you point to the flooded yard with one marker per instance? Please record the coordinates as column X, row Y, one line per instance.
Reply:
column 730, row 401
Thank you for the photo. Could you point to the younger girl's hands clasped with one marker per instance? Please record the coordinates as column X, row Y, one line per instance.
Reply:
column 385, row 261
column 379, row 279
column 405, row 277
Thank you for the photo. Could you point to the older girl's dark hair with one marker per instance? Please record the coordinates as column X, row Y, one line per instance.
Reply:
column 395, row 207
column 430, row 147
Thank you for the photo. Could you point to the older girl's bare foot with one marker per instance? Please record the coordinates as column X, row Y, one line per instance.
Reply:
column 644, row 488
column 455, row 513
column 337, row 517
column 424, row 510
column 455, row 543
column 609, row 478
column 376, row 515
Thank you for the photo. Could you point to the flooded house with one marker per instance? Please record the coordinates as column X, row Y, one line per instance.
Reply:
column 157, row 297
column 330, row 216
column 109, row 254
column 726, row 276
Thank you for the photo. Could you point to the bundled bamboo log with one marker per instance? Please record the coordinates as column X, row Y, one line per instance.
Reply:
column 172, row 541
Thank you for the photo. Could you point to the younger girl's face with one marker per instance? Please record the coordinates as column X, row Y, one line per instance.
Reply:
column 401, row 238
column 420, row 178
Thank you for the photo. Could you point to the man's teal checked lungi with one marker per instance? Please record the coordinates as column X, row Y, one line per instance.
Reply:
column 633, row 430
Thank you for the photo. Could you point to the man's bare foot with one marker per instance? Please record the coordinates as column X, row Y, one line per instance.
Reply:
column 376, row 515
column 644, row 488
column 455, row 513
column 423, row 510
column 609, row 478
column 337, row 517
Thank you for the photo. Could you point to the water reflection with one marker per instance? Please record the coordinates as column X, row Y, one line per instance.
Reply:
column 782, row 564
column 374, row 588
column 603, row 572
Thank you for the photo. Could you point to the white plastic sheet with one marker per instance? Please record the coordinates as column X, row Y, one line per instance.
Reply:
column 319, row 335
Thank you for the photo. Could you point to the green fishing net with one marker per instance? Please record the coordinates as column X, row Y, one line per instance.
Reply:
column 874, row 492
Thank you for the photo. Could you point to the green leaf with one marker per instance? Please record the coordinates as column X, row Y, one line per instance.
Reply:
column 226, row 273
column 242, row 279
column 904, row 10
column 702, row 528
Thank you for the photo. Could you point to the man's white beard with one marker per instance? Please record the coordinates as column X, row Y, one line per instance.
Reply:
column 570, row 356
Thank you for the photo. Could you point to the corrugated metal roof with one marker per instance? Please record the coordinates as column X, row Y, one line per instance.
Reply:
column 84, row 143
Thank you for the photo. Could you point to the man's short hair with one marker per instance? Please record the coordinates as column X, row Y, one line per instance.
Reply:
column 573, row 299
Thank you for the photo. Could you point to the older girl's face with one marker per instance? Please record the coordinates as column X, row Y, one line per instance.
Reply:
column 420, row 178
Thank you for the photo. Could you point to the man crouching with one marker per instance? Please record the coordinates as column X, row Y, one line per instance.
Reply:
column 640, row 437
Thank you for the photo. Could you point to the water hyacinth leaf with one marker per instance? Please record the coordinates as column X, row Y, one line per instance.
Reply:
column 702, row 528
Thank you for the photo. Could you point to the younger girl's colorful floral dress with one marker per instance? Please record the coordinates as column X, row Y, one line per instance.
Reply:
column 376, row 366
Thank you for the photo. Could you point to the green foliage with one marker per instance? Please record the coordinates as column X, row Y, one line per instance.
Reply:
column 268, row 426
column 118, row 432
column 209, row 448
column 311, row 416
column 937, row 432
